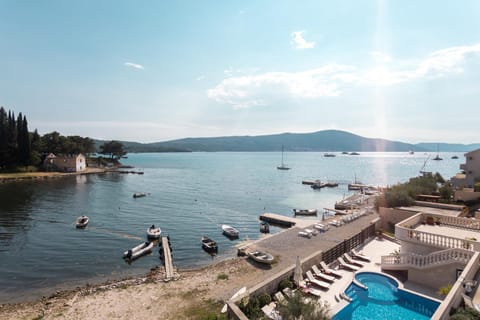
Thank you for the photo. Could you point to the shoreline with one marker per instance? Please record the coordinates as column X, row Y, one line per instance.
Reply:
column 136, row 296
column 43, row 175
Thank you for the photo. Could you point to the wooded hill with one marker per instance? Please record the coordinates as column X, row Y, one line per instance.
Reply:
column 323, row 141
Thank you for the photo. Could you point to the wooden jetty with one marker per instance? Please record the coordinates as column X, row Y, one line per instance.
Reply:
column 170, row 273
column 277, row 219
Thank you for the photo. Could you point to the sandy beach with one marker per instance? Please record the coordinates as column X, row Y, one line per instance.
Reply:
column 196, row 294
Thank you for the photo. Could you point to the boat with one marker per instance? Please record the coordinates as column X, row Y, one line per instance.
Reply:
column 264, row 227
column 261, row 256
column 318, row 185
column 329, row 155
column 209, row 245
column 437, row 157
column 81, row 222
column 411, row 152
column 454, row 157
column 153, row 232
column 138, row 251
column 139, row 195
column 230, row 231
column 354, row 153
column 305, row 212
column 283, row 166
column 344, row 152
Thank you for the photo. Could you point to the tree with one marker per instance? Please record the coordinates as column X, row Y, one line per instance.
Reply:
column 297, row 307
column 114, row 149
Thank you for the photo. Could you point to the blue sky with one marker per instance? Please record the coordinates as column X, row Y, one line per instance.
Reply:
column 160, row 70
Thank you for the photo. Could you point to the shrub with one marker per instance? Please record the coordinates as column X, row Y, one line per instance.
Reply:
column 264, row 299
column 285, row 283
column 443, row 291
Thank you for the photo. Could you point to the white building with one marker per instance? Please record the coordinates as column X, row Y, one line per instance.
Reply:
column 470, row 171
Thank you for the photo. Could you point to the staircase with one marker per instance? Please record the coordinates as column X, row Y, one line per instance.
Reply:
column 439, row 258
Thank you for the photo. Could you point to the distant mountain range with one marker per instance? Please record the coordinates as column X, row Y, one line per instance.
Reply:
column 326, row 141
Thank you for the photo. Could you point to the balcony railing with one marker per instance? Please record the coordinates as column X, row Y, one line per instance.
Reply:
column 435, row 259
column 435, row 240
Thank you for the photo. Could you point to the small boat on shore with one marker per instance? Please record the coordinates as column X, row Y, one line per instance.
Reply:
column 82, row 222
column 139, row 195
column 261, row 256
column 305, row 212
column 264, row 227
column 153, row 232
column 138, row 251
column 230, row 231
column 209, row 245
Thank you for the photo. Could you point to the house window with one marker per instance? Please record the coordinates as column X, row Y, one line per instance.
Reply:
column 470, row 158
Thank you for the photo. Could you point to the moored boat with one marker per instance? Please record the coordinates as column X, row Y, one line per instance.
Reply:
column 230, row 231
column 264, row 227
column 82, row 222
column 305, row 212
column 153, row 232
column 209, row 245
column 138, row 251
column 261, row 256
column 139, row 195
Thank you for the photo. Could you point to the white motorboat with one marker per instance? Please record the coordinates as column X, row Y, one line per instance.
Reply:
column 230, row 231
column 82, row 222
column 138, row 251
column 261, row 256
column 305, row 212
column 153, row 232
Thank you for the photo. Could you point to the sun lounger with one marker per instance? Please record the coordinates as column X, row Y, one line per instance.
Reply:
column 270, row 311
column 360, row 256
column 304, row 234
column 335, row 223
column 288, row 292
column 319, row 283
column 347, row 266
column 279, row 297
column 329, row 271
column 312, row 291
column 350, row 260
column 321, row 227
column 319, row 274
column 311, row 231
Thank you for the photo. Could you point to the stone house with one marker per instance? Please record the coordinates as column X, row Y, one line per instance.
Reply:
column 70, row 163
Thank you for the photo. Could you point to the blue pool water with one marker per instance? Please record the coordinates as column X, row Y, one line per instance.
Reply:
column 383, row 300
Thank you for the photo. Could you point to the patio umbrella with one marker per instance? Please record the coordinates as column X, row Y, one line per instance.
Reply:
column 298, row 273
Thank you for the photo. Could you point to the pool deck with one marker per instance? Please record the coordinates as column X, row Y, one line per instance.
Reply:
column 374, row 249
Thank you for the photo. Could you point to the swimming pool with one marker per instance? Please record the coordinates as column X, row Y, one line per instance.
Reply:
column 384, row 300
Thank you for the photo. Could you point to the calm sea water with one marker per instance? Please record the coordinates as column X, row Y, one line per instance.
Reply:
column 189, row 194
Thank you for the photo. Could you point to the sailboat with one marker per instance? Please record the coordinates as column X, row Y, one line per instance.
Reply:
column 283, row 166
column 437, row 157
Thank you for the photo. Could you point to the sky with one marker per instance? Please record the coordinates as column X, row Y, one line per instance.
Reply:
column 151, row 71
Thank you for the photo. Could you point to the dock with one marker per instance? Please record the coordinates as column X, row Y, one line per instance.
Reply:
column 170, row 273
column 278, row 219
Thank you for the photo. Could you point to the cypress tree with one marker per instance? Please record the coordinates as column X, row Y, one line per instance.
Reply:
column 3, row 137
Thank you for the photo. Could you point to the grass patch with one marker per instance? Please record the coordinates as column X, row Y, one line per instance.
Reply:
column 205, row 310
column 222, row 276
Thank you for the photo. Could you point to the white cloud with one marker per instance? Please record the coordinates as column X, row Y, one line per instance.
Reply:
column 253, row 90
column 299, row 42
column 133, row 65
column 200, row 77
column 330, row 80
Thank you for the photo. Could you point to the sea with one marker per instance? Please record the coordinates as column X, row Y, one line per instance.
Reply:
column 188, row 195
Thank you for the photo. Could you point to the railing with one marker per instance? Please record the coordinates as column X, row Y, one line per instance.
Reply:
column 466, row 223
column 435, row 240
column 434, row 259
